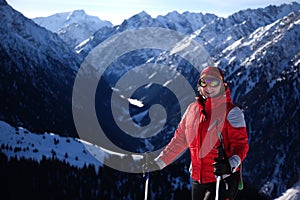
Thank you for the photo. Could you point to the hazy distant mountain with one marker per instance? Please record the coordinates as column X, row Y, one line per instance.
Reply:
column 73, row 27
column 186, row 23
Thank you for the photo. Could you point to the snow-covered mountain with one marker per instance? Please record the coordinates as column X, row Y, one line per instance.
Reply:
column 258, row 49
column 73, row 27
column 222, row 32
column 19, row 142
column 185, row 23
column 263, row 72
column 49, row 166
column 215, row 33
column 291, row 194
column 37, row 73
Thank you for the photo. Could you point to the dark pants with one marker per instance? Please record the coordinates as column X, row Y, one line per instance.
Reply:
column 228, row 189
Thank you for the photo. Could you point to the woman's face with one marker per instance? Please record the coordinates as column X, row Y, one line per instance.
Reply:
column 210, row 86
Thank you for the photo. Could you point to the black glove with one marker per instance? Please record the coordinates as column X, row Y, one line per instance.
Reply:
column 150, row 166
column 221, row 167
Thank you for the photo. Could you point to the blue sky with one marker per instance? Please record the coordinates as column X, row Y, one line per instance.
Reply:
column 116, row 11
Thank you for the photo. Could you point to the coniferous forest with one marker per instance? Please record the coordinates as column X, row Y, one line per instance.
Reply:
column 55, row 179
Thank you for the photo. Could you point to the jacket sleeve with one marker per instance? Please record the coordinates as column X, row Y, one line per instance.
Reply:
column 237, row 134
column 177, row 144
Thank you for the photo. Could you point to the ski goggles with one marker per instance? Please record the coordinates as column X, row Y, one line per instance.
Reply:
column 210, row 81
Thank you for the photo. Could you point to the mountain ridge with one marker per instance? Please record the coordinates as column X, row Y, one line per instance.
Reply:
column 257, row 48
column 73, row 27
column 37, row 71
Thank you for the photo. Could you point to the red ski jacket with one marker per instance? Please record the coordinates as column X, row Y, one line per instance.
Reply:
column 199, row 129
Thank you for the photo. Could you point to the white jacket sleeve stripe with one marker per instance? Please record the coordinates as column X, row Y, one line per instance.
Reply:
column 236, row 118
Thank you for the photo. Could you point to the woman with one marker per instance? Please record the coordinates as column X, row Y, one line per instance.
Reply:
column 211, row 125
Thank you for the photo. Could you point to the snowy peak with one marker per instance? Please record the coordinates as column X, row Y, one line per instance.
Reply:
column 185, row 23
column 198, row 20
column 142, row 15
column 282, row 10
column 80, row 17
column 268, row 14
column 80, row 14
column 141, row 19
column 73, row 27
column 173, row 14
column 59, row 21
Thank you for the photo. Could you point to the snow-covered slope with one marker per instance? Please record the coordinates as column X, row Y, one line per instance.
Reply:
column 275, row 41
column 222, row 32
column 73, row 27
column 19, row 142
column 291, row 194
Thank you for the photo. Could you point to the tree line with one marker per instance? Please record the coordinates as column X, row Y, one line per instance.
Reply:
column 51, row 178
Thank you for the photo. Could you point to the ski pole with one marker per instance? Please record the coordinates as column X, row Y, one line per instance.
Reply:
column 146, row 186
column 146, row 174
column 217, row 187
column 220, row 156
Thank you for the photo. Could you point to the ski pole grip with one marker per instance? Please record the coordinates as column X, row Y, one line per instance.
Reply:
column 220, row 152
